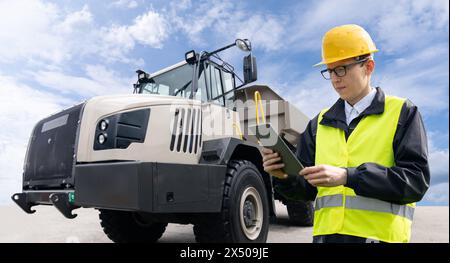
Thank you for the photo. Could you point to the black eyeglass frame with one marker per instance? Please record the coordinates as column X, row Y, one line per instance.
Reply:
column 344, row 67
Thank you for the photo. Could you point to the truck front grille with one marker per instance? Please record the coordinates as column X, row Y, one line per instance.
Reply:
column 186, row 130
column 51, row 151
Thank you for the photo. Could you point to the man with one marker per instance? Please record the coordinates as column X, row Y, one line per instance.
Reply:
column 365, row 157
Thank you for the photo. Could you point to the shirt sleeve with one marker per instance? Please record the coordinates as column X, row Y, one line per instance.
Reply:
column 409, row 179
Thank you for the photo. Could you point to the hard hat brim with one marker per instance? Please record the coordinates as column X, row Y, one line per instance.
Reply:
column 336, row 60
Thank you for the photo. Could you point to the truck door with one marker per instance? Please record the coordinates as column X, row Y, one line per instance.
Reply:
column 219, row 119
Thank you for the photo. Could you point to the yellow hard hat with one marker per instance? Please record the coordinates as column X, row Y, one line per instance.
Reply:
column 344, row 42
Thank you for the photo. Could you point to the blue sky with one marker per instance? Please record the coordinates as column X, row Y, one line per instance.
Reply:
column 54, row 54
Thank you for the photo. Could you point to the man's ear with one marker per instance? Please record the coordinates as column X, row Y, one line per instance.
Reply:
column 370, row 66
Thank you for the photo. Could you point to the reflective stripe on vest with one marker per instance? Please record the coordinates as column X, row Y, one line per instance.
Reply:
column 364, row 203
column 339, row 210
column 328, row 201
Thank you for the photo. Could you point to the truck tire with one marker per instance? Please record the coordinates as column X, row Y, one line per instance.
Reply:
column 245, row 208
column 301, row 213
column 126, row 227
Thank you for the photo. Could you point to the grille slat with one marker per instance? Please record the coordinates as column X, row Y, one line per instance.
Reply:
column 186, row 129
column 180, row 130
column 174, row 129
column 191, row 135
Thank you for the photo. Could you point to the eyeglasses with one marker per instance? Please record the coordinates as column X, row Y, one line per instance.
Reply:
column 340, row 71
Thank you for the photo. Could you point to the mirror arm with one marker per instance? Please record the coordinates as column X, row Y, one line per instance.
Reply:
column 220, row 49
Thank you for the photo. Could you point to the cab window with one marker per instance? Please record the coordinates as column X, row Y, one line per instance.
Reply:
column 215, row 85
column 228, row 86
column 201, row 94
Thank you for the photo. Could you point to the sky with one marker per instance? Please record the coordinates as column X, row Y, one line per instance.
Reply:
column 54, row 54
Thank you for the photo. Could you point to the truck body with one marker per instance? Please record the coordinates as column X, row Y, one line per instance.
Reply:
column 175, row 151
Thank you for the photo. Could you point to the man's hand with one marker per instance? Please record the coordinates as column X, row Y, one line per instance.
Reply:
column 324, row 175
column 271, row 165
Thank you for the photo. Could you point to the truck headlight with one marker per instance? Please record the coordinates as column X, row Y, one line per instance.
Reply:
column 120, row 130
column 102, row 138
column 103, row 124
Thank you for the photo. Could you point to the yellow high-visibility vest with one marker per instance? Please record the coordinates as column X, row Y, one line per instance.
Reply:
column 338, row 210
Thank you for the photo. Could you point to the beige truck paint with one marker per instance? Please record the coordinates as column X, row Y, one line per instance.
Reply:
column 220, row 122
column 217, row 123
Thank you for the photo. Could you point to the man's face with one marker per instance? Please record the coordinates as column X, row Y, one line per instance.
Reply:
column 355, row 83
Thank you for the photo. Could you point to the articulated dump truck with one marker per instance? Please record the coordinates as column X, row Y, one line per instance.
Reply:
column 177, row 150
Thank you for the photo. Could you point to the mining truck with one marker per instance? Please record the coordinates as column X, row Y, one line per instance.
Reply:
column 176, row 150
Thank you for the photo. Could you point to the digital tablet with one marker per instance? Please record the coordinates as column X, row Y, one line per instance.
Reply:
column 268, row 138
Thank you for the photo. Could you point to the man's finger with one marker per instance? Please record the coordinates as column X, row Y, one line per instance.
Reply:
column 273, row 167
column 269, row 156
column 272, row 161
column 266, row 150
column 311, row 169
column 305, row 171
column 315, row 175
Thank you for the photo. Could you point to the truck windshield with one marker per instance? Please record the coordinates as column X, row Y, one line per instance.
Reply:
column 176, row 82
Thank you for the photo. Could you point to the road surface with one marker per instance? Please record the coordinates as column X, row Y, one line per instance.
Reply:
column 431, row 224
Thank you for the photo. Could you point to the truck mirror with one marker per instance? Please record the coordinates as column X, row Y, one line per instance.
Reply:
column 250, row 72
column 243, row 44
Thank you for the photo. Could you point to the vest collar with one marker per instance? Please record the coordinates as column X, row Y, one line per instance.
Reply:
column 335, row 116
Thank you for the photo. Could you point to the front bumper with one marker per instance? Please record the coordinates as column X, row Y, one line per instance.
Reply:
column 136, row 186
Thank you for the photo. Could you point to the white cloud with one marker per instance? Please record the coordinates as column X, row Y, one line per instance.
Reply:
column 436, row 138
column 149, row 29
column 22, row 105
column 393, row 25
column 223, row 21
column 439, row 168
column 438, row 157
column 316, row 18
column 75, row 20
column 421, row 77
column 179, row 6
column 25, row 31
column 265, row 31
column 437, row 194
column 115, row 82
column 52, row 35
column 311, row 94
column 130, row 4
column 20, row 108
column 36, row 32
column 194, row 20
column 117, row 42
column 433, row 13
column 99, row 81
column 411, row 23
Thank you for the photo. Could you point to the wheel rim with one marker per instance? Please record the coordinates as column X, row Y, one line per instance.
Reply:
column 251, row 213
